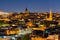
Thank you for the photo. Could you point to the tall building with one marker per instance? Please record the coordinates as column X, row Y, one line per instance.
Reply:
column 50, row 16
column 26, row 12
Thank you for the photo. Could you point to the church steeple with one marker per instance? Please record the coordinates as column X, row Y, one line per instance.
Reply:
column 26, row 12
column 26, row 9
column 50, row 16
column 50, row 13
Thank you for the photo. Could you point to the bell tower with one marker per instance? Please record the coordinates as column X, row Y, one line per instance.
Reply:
column 26, row 12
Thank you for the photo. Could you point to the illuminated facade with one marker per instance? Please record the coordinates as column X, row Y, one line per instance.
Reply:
column 50, row 16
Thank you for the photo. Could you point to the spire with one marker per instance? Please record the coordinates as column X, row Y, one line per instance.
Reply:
column 50, row 13
column 26, row 12
column 26, row 9
column 50, row 16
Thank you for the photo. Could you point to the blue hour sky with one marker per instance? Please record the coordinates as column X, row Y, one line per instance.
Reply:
column 32, row 5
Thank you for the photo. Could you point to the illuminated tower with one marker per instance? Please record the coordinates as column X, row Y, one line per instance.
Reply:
column 26, row 12
column 50, row 16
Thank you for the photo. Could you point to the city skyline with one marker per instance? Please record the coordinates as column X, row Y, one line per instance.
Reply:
column 32, row 5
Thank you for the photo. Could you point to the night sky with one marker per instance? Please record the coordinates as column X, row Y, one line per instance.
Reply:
column 32, row 5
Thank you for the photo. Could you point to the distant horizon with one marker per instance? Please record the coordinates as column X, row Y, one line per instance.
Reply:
column 30, row 12
column 32, row 5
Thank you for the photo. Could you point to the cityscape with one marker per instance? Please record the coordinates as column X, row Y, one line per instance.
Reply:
column 29, row 25
column 29, row 19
